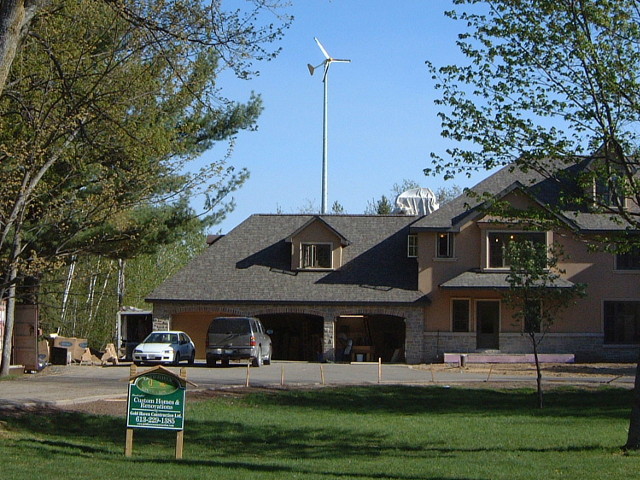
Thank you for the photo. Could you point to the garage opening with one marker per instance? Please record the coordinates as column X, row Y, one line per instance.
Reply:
column 369, row 337
column 295, row 336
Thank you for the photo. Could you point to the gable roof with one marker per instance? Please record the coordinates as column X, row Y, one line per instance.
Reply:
column 318, row 219
column 545, row 190
column 252, row 263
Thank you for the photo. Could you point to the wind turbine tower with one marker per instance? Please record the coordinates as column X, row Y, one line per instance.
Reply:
column 328, row 60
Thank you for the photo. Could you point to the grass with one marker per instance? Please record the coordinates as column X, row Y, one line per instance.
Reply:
column 403, row 433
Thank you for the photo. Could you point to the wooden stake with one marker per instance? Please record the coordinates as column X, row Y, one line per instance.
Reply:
column 180, row 433
column 282, row 376
column 248, row 370
column 489, row 376
column 128, row 446
column 322, row 374
column 379, row 369
column 179, row 444
column 433, row 378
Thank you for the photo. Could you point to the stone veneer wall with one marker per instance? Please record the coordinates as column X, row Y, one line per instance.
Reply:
column 585, row 347
column 413, row 318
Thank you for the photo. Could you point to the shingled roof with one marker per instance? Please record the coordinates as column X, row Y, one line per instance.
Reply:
column 491, row 280
column 545, row 190
column 253, row 264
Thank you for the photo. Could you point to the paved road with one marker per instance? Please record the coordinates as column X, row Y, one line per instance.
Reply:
column 76, row 383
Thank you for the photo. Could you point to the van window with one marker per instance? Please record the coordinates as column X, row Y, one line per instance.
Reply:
column 237, row 326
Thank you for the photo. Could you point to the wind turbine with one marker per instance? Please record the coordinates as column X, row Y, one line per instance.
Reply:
column 327, row 63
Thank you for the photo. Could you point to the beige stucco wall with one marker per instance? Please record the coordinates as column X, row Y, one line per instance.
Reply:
column 596, row 269
column 579, row 329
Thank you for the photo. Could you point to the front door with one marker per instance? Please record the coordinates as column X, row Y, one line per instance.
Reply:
column 488, row 324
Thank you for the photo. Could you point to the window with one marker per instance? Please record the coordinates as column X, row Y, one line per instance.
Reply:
column 444, row 245
column 629, row 260
column 316, row 255
column 622, row 322
column 412, row 246
column 460, row 315
column 498, row 242
column 606, row 192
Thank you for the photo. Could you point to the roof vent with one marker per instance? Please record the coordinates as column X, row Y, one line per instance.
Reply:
column 417, row 201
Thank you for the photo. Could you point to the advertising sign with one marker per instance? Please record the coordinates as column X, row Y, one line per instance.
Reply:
column 156, row 400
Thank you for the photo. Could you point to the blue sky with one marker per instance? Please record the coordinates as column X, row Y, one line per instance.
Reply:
column 382, row 119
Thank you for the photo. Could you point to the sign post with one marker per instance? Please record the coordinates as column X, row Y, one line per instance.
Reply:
column 156, row 400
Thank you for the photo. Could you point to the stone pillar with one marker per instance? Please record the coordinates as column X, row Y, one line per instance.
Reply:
column 328, row 340
column 414, row 331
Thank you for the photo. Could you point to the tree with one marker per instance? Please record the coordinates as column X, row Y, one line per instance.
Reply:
column 238, row 36
column 446, row 194
column 547, row 84
column 80, row 299
column 337, row 208
column 97, row 128
column 535, row 293
column 379, row 207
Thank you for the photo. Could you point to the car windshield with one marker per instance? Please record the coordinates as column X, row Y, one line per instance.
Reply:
column 230, row 326
column 161, row 338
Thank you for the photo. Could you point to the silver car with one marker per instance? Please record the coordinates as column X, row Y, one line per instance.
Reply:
column 170, row 347
column 238, row 338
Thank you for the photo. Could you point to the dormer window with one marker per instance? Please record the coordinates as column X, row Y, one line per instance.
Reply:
column 316, row 255
column 316, row 245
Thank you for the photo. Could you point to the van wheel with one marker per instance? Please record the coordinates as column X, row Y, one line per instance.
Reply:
column 257, row 360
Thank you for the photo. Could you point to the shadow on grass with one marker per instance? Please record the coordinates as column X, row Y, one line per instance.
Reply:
column 407, row 400
column 287, row 471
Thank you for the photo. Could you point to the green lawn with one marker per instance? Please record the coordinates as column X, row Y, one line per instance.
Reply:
column 361, row 433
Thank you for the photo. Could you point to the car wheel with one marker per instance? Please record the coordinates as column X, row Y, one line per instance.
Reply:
column 267, row 359
column 176, row 359
column 192, row 358
column 225, row 362
column 138, row 364
column 211, row 362
column 257, row 360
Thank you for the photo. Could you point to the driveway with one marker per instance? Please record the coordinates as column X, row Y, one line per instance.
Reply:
column 60, row 385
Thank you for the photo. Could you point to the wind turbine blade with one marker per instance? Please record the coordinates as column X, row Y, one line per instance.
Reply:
column 324, row 52
column 341, row 60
